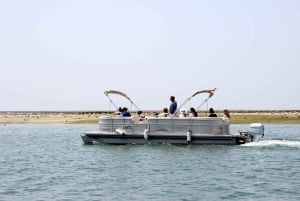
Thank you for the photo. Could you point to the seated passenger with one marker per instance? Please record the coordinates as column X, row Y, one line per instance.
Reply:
column 140, row 118
column 212, row 113
column 140, row 114
column 182, row 113
column 226, row 115
column 193, row 112
column 165, row 113
column 125, row 112
column 119, row 112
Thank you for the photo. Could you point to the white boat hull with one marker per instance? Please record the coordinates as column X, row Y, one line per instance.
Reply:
column 166, row 130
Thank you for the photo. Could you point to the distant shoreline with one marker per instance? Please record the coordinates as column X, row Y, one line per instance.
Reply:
column 148, row 111
column 91, row 117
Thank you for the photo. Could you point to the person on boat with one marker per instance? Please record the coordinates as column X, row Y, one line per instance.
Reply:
column 141, row 114
column 182, row 113
column 212, row 112
column 165, row 113
column 140, row 118
column 193, row 112
column 119, row 112
column 226, row 114
column 173, row 105
column 125, row 112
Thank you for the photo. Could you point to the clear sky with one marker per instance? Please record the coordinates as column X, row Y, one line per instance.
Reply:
column 63, row 54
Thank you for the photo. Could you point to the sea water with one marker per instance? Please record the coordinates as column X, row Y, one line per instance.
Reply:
column 50, row 162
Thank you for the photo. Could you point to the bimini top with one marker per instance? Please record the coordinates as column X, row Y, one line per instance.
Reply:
column 210, row 92
column 116, row 92
column 107, row 92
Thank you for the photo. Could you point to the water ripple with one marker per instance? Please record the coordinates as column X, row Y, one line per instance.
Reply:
column 50, row 162
column 270, row 143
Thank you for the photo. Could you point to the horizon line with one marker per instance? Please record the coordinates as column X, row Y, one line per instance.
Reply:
column 106, row 111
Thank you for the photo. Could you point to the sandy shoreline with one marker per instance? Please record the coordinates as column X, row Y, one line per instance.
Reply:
column 9, row 117
column 47, row 117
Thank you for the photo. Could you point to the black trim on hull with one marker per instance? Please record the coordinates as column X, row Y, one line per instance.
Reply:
column 165, row 139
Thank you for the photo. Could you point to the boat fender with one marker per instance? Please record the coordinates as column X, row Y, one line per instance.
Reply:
column 146, row 132
column 120, row 131
column 189, row 136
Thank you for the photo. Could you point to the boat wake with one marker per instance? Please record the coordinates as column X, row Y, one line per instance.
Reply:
column 271, row 143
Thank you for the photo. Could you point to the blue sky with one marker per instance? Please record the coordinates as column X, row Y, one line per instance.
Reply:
column 63, row 54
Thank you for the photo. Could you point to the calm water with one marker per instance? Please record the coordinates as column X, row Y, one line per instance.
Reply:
column 50, row 162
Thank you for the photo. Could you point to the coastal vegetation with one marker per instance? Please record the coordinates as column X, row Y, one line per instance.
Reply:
column 265, row 118
column 91, row 117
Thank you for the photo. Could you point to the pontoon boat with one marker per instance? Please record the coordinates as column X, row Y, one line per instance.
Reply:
column 170, row 130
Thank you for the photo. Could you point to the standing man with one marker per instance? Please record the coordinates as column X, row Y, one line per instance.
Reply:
column 173, row 106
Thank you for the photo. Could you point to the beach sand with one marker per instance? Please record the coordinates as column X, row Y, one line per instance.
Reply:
column 47, row 117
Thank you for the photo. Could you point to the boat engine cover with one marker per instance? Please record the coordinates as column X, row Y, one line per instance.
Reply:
column 256, row 128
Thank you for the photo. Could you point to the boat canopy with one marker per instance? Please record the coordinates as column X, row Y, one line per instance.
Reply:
column 210, row 92
column 116, row 92
column 107, row 92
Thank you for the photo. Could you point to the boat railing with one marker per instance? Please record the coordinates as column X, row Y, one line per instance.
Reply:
column 165, row 124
